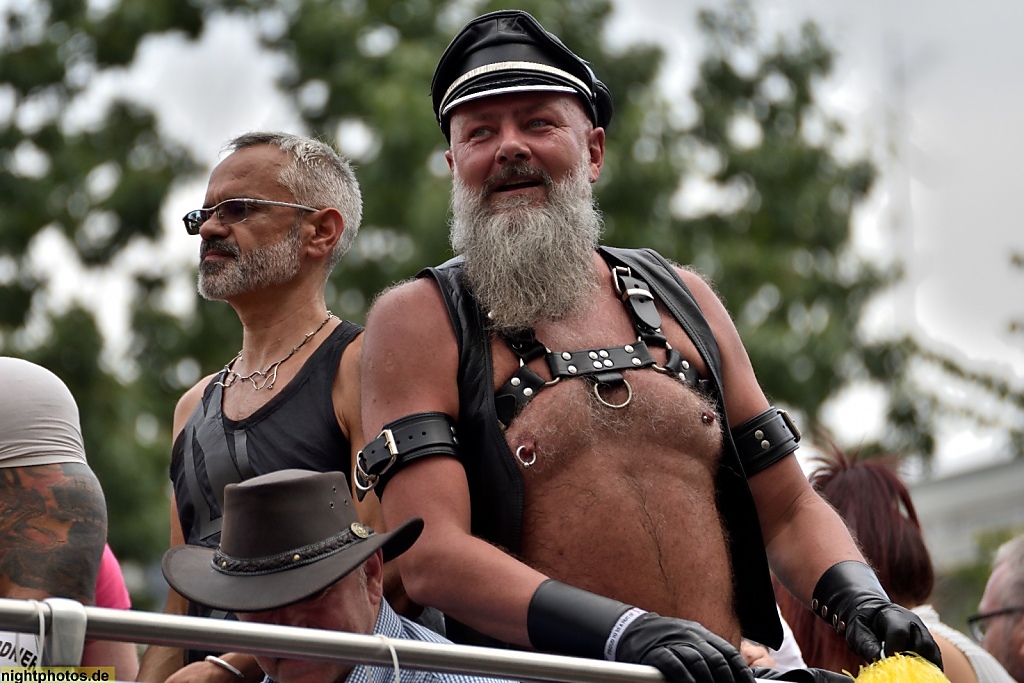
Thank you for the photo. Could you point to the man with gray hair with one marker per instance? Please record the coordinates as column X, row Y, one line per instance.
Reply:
column 280, row 212
column 335, row 585
column 579, row 426
column 999, row 624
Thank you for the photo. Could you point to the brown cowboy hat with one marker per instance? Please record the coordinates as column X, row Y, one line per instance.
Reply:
column 285, row 536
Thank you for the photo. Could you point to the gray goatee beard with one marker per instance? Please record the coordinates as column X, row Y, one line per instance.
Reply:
column 527, row 263
column 257, row 269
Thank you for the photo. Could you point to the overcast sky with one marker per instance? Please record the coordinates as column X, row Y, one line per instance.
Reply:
column 958, row 119
column 954, row 116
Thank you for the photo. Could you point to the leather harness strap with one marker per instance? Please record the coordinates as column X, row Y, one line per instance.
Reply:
column 433, row 433
column 602, row 366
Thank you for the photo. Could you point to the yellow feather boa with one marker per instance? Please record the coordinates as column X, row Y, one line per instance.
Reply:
column 900, row 668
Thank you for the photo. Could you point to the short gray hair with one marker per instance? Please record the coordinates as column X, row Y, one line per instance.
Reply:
column 1011, row 553
column 317, row 176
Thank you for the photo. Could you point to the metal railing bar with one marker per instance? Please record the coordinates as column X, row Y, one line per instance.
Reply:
column 155, row 628
column 271, row 640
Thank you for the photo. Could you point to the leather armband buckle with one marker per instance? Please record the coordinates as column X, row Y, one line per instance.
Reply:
column 364, row 480
column 398, row 444
column 797, row 434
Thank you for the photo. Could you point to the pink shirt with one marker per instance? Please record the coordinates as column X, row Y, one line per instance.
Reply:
column 110, row 589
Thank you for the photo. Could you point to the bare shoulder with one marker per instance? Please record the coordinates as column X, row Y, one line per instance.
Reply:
column 187, row 403
column 411, row 316
column 410, row 355
column 407, row 302
column 703, row 291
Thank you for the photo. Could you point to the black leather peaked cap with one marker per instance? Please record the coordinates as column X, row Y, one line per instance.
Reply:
column 286, row 536
column 509, row 51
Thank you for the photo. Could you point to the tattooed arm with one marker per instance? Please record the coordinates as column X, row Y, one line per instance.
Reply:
column 53, row 525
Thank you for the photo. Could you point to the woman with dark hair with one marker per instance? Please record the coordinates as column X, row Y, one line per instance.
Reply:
column 877, row 508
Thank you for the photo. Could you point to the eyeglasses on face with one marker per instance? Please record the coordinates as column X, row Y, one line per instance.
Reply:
column 978, row 623
column 231, row 211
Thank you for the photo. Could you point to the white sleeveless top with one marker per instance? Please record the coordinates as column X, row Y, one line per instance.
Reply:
column 39, row 422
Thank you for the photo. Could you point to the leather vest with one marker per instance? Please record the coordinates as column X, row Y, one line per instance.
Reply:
column 496, row 487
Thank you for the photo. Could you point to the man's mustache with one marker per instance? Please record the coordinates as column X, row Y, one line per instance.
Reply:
column 520, row 169
column 221, row 245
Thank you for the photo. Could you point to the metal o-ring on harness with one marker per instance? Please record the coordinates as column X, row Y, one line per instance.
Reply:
column 615, row 406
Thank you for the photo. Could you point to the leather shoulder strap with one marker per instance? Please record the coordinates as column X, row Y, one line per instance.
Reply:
column 670, row 289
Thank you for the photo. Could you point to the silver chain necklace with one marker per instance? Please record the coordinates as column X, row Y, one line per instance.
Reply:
column 264, row 379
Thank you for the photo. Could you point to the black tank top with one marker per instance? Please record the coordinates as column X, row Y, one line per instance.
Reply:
column 295, row 429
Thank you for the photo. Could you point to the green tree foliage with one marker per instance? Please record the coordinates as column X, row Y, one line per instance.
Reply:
column 780, row 253
column 359, row 73
column 778, row 247
column 99, row 186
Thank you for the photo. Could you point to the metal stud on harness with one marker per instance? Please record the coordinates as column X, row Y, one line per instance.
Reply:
column 601, row 366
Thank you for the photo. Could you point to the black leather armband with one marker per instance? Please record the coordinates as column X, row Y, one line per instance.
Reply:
column 765, row 439
column 570, row 621
column 398, row 444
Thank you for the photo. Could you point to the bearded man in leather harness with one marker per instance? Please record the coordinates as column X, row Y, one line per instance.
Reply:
column 579, row 426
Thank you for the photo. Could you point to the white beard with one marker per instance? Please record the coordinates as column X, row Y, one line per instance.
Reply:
column 527, row 263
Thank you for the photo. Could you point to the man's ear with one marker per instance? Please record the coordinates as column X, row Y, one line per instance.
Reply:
column 595, row 147
column 451, row 160
column 374, row 568
column 328, row 225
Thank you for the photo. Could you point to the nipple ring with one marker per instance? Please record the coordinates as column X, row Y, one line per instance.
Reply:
column 525, row 463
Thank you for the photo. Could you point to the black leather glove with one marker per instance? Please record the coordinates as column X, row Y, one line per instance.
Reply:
column 849, row 598
column 571, row 621
column 801, row 675
column 682, row 651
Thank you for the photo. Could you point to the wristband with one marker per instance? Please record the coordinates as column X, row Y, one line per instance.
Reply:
column 224, row 665
column 612, row 644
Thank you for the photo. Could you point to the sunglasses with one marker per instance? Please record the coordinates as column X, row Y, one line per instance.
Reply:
column 231, row 211
column 978, row 623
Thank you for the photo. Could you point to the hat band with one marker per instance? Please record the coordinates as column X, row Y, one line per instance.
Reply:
column 520, row 66
column 502, row 91
column 298, row 557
